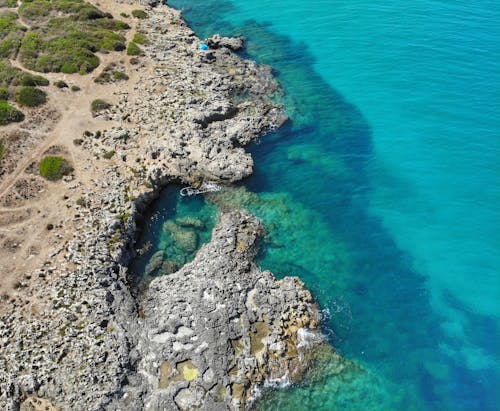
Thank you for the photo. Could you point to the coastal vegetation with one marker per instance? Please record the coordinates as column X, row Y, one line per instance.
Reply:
column 140, row 38
column 139, row 14
column 133, row 49
column 9, row 114
column 99, row 105
column 61, row 84
column 66, row 34
column 12, row 76
column 108, row 154
column 8, row 3
column 112, row 72
column 11, row 34
column 54, row 168
column 31, row 96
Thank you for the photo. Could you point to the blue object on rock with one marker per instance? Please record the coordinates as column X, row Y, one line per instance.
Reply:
column 203, row 47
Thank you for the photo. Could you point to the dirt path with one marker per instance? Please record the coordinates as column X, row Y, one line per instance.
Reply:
column 24, row 240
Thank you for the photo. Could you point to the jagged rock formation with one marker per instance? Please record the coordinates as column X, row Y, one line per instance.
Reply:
column 205, row 336
column 219, row 327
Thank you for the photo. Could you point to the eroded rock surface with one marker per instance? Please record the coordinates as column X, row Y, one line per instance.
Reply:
column 219, row 327
column 204, row 337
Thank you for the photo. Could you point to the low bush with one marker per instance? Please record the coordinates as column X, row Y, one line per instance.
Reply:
column 9, row 114
column 139, row 14
column 31, row 97
column 119, row 75
column 8, row 3
column 133, row 49
column 140, row 38
column 108, row 154
column 75, row 88
column 4, row 94
column 112, row 72
column 33, row 80
column 99, row 105
column 54, row 168
column 61, row 84
column 12, row 76
column 11, row 34
column 66, row 34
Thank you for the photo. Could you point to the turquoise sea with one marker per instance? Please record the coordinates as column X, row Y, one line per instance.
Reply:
column 381, row 192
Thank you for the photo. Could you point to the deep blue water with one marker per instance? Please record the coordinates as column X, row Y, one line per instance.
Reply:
column 382, row 191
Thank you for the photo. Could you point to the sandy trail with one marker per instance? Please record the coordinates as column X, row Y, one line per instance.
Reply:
column 26, row 241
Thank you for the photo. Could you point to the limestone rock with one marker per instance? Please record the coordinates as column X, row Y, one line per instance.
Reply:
column 235, row 325
column 232, row 43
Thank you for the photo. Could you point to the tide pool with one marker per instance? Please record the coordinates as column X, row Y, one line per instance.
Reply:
column 381, row 192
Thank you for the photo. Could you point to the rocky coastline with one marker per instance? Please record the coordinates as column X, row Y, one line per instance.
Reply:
column 205, row 337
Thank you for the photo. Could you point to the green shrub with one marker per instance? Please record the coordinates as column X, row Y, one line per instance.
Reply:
column 67, row 43
column 75, row 88
column 133, row 49
column 54, row 168
column 11, row 34
column 139, row 14
column 9, row 114
column 119, row 75
column 4, row 94
column 31, row 96
column 8, row 3
column 8, row 24
column 78, row 141
column 99, row 105
column 33, row 80
column 35, row 10
column 124, row 14
column 140, row 38
column 71, row 68
column 81, row 202
column 12, row 76
column 61, row 84
column 108, row 154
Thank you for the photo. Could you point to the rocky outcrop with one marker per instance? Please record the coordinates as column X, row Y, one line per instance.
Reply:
column 232, row 43
column 219, row 327
column 203, row 337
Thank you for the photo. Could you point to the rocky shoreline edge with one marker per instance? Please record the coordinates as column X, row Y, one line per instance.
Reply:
column 205, row 337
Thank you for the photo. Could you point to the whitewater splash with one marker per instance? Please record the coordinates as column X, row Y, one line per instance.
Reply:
column 306, row 340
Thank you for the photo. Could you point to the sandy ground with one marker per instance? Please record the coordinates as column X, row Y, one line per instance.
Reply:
column 35, row 215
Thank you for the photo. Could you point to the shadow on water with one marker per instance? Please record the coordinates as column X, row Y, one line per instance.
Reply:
column 314, row 168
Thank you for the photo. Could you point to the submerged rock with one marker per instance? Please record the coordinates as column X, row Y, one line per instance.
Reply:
column 168, row 267
column 184, row 238
column 155, row 263
column 191, row 222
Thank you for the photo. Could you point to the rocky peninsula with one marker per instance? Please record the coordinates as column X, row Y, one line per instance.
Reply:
column 74, row 334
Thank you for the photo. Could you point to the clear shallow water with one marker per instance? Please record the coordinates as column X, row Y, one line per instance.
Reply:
column 173, row 229
column 382, row 192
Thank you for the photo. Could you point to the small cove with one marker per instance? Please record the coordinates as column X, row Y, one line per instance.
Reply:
column 172, row 230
